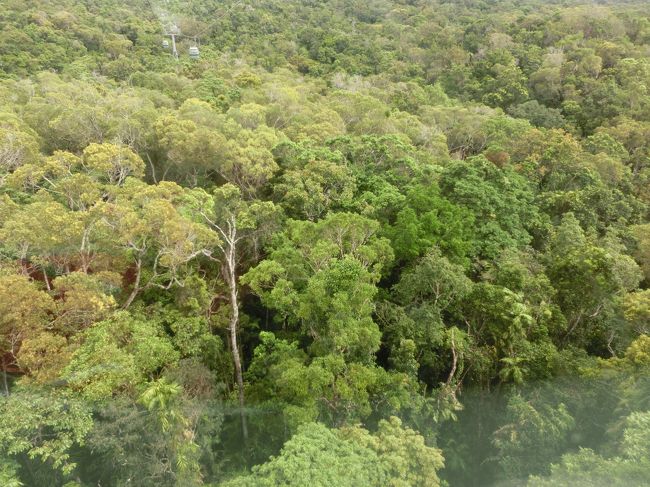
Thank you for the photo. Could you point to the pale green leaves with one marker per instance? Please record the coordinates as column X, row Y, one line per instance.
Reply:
column 118, row 356
column 45, row 425
column 394, row 456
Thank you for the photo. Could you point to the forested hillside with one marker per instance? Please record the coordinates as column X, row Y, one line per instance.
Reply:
column 331, row 243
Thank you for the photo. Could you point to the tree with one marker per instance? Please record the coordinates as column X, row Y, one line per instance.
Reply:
column 404, row 457
column 642, row 251
column 587, row 276
column 429, row 220
column 44, row 424
column 25, row 312
column 315, row 455
column 538, row 114
column 183, row 155
column 44, row 232
column 150, row 227
column 160, row 398
column 322, row 276
column 532, row 437
column 588, row 468
column 636, row 309
column 249, row 163
column 325, row 388
column 315, row 189
column 500, row 199
column 18, row 145
column 118, row 356
column 425, row 296
column 503, row 85
column 235, row 223
column 9, row 474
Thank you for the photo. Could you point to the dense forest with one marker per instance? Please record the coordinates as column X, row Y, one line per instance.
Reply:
column 330, row 243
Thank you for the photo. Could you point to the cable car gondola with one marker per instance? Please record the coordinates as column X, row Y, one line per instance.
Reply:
column 194, row 52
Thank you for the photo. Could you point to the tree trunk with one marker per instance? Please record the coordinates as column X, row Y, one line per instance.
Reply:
column 231, row 278
column 136, row 285
column 4, row 379
column 47, row 281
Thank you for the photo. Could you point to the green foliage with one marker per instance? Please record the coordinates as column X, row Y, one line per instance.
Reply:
column 588, row 468
column 118, row 355
column 323, row 277
column 9, row 474
column 500, row 199
column 531, row 436
column 44, row 425
column 404, row 458
column 315, row 455
column 538, row 114
column 429, row 220
column 339, row 212
column 325, row 388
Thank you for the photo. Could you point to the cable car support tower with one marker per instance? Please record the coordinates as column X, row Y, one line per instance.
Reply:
column 173, row 31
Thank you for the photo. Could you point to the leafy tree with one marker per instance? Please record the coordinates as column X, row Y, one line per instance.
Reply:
column 25, row 312
column 588, row 468
column 415, row 330
column 151, row 228
column 322, row 277
column 352, row 456
column 430, row 220
column 500, row 199
column 313, row 190
column 323, row 388
column 118, row 355
column 234, row 223
column 44, row 424
column 539, row 115
column 578, row 263
column 160, row 398
column 533, row 434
